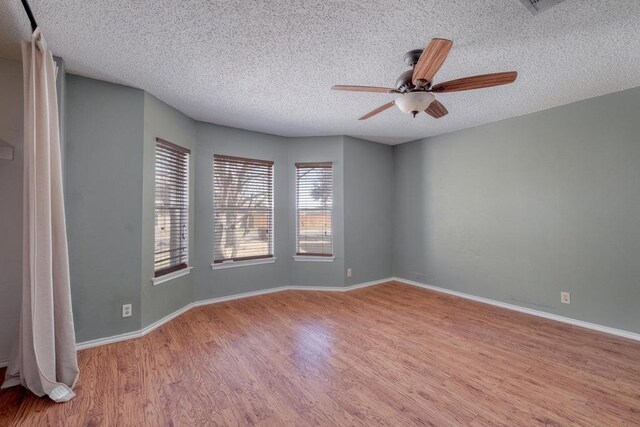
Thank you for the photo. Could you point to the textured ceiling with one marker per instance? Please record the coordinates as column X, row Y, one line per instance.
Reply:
column 268, row 65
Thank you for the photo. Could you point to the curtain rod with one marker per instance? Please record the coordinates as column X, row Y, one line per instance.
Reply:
column 27, row 9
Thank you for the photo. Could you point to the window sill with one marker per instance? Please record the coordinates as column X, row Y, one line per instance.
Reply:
column 232, row 264
column 314, row 258
column 174, row 275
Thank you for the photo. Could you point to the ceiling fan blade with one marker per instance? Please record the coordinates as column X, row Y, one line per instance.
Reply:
column 376, row 89
column 430, row 61
column 436, row 110
column 380, row 109
column 476, row 82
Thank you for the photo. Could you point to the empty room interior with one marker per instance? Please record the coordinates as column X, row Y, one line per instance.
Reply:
column 337, row 213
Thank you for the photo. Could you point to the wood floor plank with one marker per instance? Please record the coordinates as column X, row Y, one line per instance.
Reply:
column 390, row 354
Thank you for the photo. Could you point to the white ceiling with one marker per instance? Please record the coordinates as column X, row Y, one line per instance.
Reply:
column 268, row 65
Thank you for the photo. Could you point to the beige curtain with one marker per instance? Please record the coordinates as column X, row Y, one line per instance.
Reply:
column 44, row 359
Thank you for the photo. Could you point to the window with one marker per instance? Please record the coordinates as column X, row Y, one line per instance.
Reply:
column 314, row 209
column 242, row 209
column 171, row 208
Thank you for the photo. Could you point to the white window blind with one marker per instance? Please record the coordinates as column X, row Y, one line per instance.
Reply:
column 242, row 209
column 171, row 208
column 314, row 209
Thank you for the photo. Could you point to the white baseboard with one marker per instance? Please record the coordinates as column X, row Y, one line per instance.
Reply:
column 142, row 332
column 338, row 288
column 108, row 340
column 239, row 296
column 558, row 318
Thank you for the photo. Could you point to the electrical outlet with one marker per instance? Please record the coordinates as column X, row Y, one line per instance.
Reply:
column 348, row 272
column 126, row 310
column 565, row 297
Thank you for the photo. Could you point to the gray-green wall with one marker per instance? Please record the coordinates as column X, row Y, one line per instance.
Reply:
column 110, row 209
column 61, row 92
column 368, row 186
column 110, row 169
column 522, row 209
column 318, row 149
column 212, row 139
column 163, row 121
column 11, row 130
column 103, row 162
column 285, row 152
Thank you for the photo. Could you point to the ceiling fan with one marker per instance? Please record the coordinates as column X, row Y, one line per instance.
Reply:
column 415, row 86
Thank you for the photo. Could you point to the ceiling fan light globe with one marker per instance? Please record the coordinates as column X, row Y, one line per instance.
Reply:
column 414, row 101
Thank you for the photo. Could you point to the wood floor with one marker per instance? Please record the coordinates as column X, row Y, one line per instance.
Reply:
column 385, row 355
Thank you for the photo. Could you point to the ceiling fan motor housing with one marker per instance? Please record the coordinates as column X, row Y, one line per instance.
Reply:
column 411, row 58
column 404, row 83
